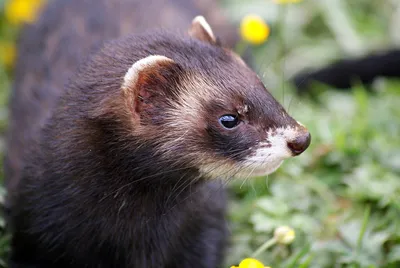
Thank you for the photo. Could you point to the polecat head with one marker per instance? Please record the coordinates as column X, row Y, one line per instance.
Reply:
column 194, row 103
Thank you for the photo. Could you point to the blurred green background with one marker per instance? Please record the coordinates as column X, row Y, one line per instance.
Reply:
column 342, row 196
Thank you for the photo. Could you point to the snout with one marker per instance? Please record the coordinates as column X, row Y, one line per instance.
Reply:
column 300, row 143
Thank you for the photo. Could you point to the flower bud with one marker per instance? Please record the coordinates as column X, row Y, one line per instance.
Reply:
column 284, row 235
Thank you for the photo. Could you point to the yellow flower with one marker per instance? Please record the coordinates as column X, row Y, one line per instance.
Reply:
column 250, row 263
column 8, row 53
column 286, row 1
column 254, row 29
column 22, row 11
column 284, row 235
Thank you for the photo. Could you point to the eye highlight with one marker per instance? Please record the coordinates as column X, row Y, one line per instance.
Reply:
column 229, row 121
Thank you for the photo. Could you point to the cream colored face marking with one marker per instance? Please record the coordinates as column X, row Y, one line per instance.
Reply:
column 266, row 158
column 243, row 110
column 269, row 154
column 185, row 112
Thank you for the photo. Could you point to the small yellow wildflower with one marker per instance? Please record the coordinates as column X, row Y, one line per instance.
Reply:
column 8, row 53
column 254, row 29
column 284, row 235
column 22, row 11
column 250, row 263
column 286, row 1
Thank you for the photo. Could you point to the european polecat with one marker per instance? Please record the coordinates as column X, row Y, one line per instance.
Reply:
column 125, row 164
column 50, row 50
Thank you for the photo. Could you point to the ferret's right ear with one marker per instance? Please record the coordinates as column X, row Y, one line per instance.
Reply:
column 148, row 83
column 200, row 29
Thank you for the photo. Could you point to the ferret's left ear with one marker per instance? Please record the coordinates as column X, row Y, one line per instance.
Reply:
column 200, row 29
column 148, row 83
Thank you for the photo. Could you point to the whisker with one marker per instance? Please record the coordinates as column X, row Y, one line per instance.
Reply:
column 290, row 102
column 248, row 176
column 267, row 181
column 262, row 63
column 223, row 185
column 139, row 180
column 176, row 187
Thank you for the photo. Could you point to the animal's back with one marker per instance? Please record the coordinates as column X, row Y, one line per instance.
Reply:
column 67, row 31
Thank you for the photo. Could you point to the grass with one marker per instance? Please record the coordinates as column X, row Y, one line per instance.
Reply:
column 342, row 196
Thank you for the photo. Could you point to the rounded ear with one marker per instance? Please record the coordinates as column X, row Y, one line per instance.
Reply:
column 148, row 83
column 149, row 64
column 201, row 30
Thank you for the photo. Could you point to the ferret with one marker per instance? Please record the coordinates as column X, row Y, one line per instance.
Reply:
column 50, row 50
column 126, row 163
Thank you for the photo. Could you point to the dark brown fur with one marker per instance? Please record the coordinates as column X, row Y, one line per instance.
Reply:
column 50, row 50
column 105, row 198
column 115, row 176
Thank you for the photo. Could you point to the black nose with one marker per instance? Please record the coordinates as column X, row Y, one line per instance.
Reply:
column 300, row 144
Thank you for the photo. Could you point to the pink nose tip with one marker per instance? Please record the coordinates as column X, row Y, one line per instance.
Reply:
column 300, row 144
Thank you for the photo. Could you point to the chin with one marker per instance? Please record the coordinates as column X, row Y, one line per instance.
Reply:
column 259, row 170
column 242, row 170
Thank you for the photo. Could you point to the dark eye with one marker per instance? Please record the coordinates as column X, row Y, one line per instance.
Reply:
column 229, row 121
